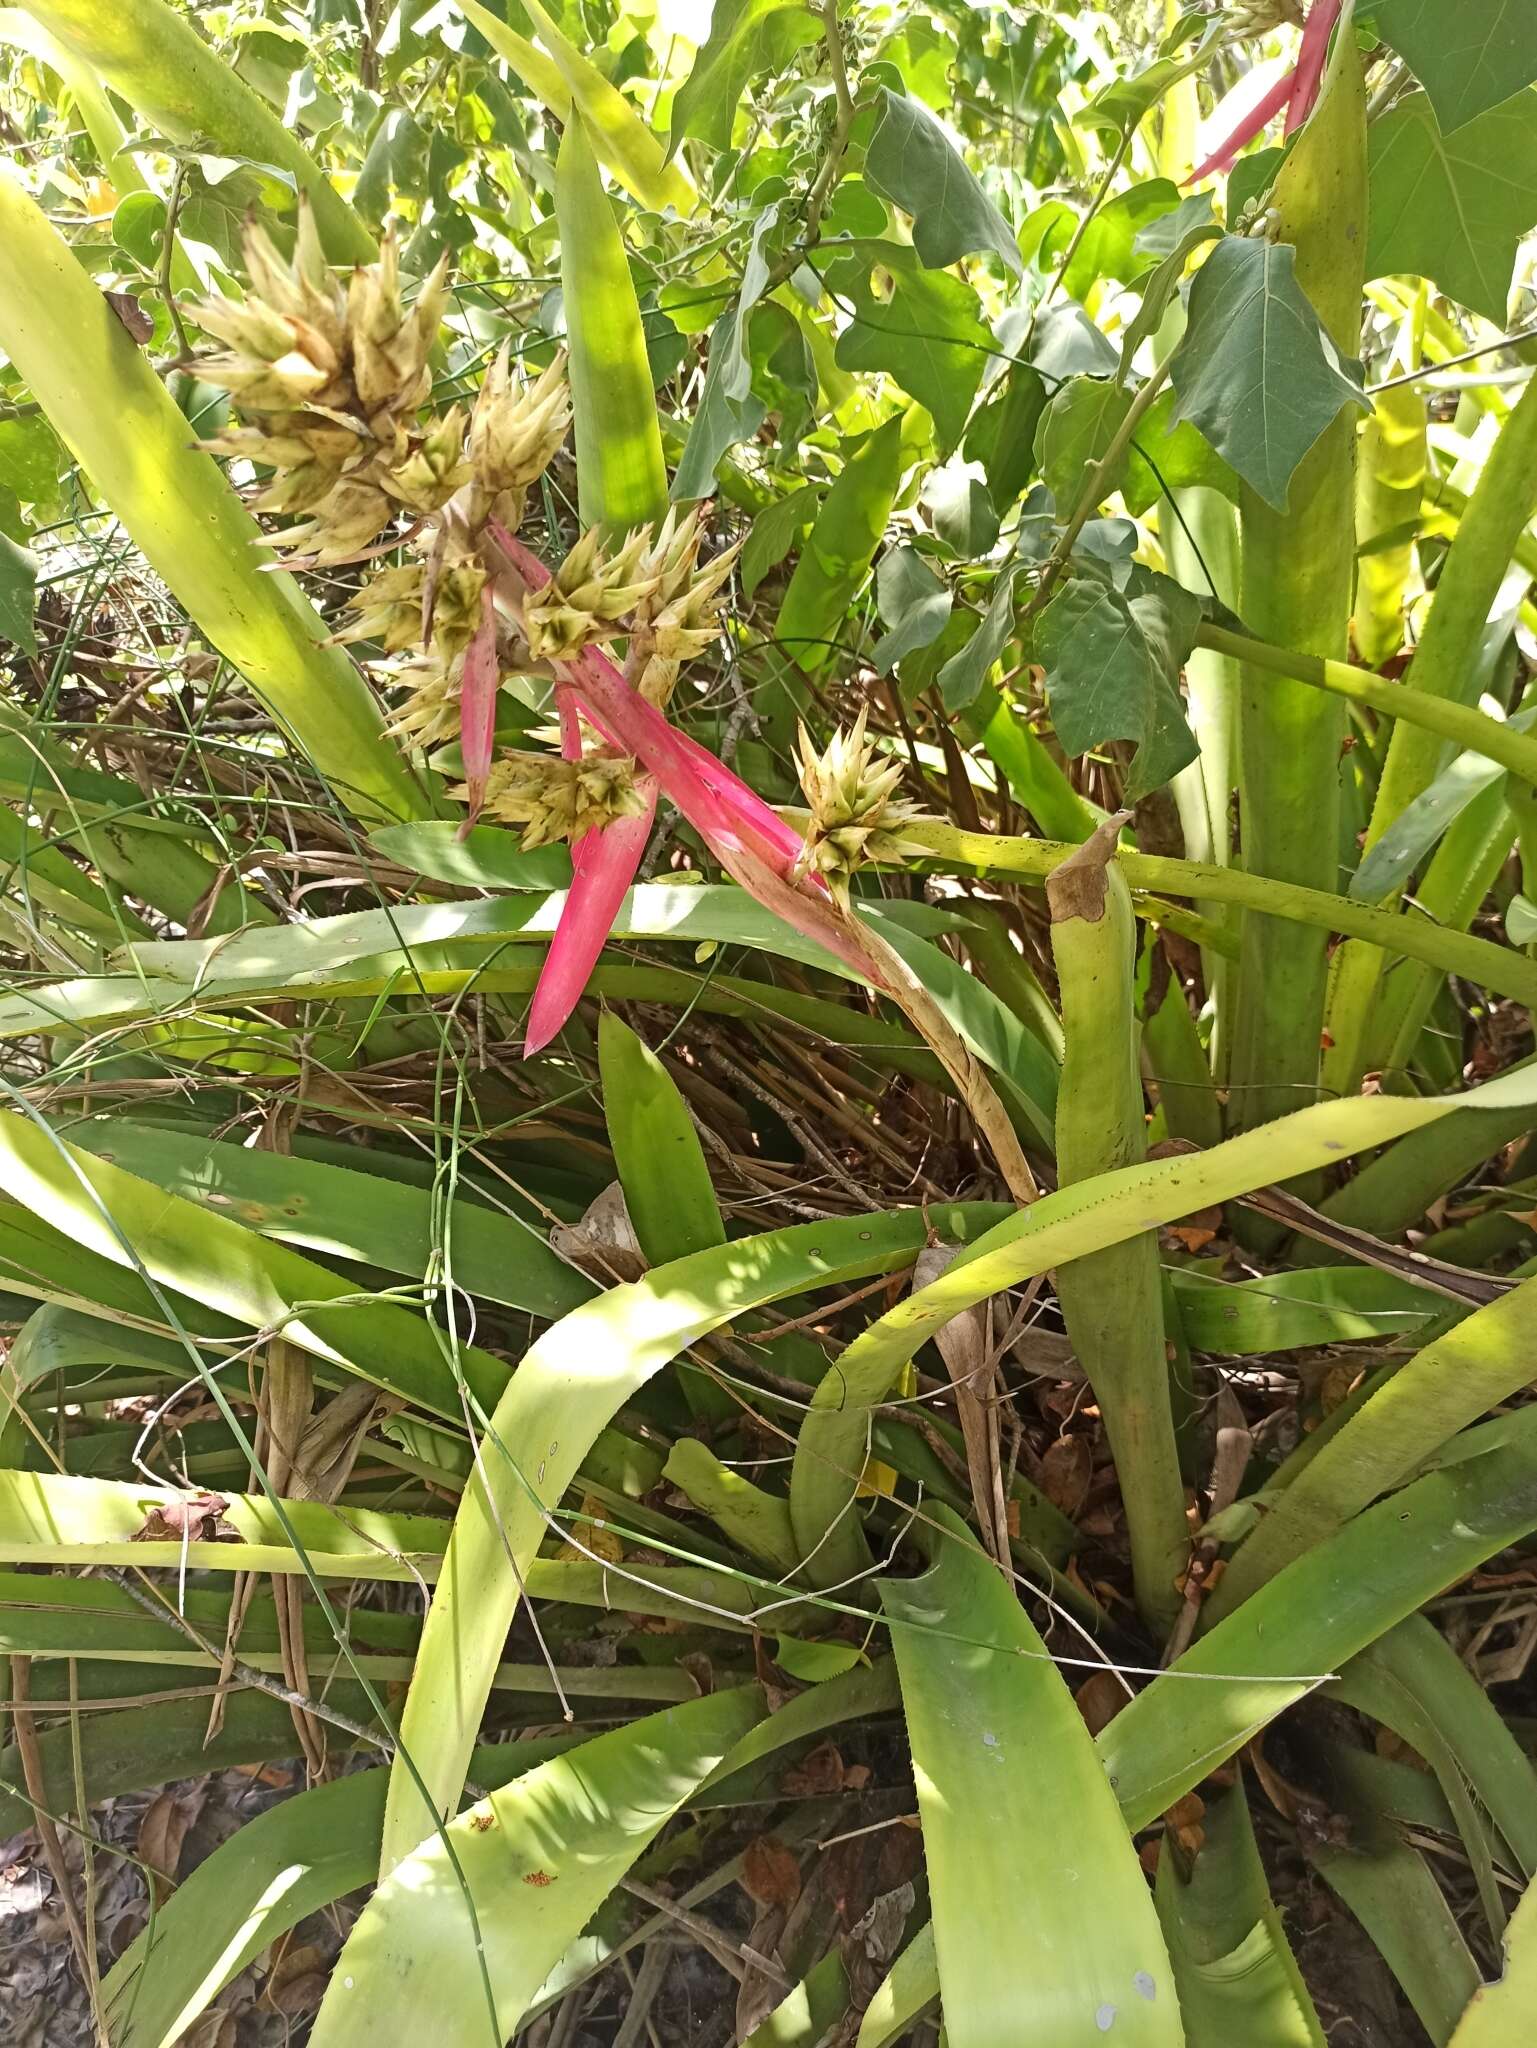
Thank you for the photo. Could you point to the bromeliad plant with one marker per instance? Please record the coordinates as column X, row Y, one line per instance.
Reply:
column 962, row 1434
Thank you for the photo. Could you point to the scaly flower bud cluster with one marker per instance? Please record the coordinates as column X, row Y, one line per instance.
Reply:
column 552, row 799
column 586, row 596
column 516, row 428
column 680, row 617
column 330, row 381
column 854, row 815
column 1259, row 17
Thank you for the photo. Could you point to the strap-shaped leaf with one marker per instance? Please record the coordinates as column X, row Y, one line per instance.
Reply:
column 620, row 475
column 1020, row 1827
column 564, row 79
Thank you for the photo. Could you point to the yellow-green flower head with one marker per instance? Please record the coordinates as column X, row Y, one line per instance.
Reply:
column 391, row 343
column 683, row 628
column 286, row 343
column 428, row 716
column 432, row 468
column 552, row 799
column 389, row 608
column 342, row 525
column 587, row 594
column 854, row 818
column 517, row 427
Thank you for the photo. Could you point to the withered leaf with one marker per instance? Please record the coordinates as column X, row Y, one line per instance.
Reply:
column 771, row 1876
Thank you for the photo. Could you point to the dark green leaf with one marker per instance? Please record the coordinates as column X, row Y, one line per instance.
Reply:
column 1001, row 436
column 1112, row 243
column 746, row 37
column 18, row 594
column 1113, row 661
column 1066, row 343
column 775, row 532
column 1076, row 429
column 912, row 162
column 1470, row 55
column 961, row 510
column 923, row 326
column 1255, row 370
column 964, row 674
column 720, row 423
column 913, row 602
column 1454, row 208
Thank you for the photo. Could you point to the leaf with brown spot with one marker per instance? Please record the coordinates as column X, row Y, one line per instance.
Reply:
column 771, row 1876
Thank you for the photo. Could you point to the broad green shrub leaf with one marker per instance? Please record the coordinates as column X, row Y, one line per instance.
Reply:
column 964, row 673
column 1159, row 288
column 1020, row 1827
column 1076, row 429
column 1469, row 56
column 961, row 510
column 775, row 532
column 922, row 326
column 912, row 162
column 1255, row 370
column 660, row 1161
column 835, row 561
column 18, row 594
column 537, row 1859
column 914, row 605
column 1113, row 660
column 621, row 477
column 31, row 462
column 1001, row 437
column 746, row 37
column 1112, row 244
column 1454, row 208
column 720, row 421
column 1165, row 454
